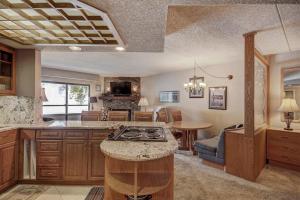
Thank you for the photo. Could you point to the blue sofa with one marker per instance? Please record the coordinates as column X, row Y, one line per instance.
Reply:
column 213, row 149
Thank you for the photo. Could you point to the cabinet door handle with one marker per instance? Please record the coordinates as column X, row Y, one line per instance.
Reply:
column 284, row 137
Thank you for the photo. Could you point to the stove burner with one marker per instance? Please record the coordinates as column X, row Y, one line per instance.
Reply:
column 151, row 130
column 132, row 134
column 153, row 135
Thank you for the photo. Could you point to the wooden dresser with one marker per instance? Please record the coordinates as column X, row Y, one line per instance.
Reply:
column 283, row 148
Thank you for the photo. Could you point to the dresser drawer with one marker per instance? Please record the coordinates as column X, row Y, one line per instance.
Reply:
column 283, row 137
column 285, row 158
column 275, row 146
column 283, row 147
column 49, row 146
column 49, row 173
column 8, row 136
column 99, row 134
column 76, row 134
column 49, row 134
column 49, row 160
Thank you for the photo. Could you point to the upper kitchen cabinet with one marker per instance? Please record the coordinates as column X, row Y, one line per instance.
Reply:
column 7, row 71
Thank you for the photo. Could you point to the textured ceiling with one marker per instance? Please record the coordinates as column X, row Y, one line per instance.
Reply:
column 210, row 34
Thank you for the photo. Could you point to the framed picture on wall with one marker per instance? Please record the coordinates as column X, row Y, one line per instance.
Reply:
column 198, row 92
column 98, row 88
column 169, row 96
column 218, row 98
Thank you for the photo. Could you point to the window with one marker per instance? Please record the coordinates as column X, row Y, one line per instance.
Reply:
column 65, row 100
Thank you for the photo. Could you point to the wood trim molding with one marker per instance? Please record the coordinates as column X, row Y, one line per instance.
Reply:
column 249, row 83
column 261, row 57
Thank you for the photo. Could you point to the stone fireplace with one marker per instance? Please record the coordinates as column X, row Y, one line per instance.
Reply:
column 122, row 103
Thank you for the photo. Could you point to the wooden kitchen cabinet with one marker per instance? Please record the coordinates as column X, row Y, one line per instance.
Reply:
column 70, row 156
column 95, row 161
column 8, row 159
column 75, row 160
column 7, row 71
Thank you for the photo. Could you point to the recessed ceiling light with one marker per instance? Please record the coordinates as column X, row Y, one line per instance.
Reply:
column 74, row 48
column 120, row 48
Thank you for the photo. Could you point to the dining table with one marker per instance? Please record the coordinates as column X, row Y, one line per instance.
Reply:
column 190, row 130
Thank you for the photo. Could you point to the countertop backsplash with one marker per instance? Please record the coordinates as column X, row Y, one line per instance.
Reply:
column 16, row 110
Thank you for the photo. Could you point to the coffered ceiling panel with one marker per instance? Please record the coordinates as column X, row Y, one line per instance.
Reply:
column 56, row 22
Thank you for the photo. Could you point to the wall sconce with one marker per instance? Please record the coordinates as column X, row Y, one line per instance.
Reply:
column 135, row 88
column 108, row 89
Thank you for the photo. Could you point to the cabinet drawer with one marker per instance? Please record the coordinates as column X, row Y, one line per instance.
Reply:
column 285, row 158
column 49, row 134
column 8, row 136
column 99, row 134
column 284, row 137
column 49, row 160
column 275, row 146
column 76, row 134
column 49, row 173
column 49, row 146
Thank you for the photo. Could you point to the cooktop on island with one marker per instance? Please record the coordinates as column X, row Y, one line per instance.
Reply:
column 139, row 133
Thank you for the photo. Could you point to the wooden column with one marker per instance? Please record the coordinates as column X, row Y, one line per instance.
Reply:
column 246, row 151
column 249, row 83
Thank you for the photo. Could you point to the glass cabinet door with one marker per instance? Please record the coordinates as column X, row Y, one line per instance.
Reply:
column 7, row 85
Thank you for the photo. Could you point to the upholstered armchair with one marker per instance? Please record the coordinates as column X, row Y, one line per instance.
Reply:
column 213, row 149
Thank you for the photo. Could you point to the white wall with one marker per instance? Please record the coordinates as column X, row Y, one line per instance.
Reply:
column 197, row 109
column 28, row 78
column 277, row 63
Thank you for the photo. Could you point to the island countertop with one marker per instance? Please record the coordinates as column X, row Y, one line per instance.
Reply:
column 140, row 151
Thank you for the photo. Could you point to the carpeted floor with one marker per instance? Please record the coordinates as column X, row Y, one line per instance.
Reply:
column 193, row 181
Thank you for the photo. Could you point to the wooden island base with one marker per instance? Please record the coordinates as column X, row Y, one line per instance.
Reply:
column 153, row 177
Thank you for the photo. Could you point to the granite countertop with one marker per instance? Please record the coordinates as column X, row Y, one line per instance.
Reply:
column 125, row 150
column 140, row 151
column 76, row 125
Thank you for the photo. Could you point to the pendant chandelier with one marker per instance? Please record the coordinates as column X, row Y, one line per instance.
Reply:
column 195, row 83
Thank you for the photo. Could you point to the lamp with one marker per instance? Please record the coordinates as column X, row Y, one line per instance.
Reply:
column 43, row 95
column 92, row 101
column 143, row 102
column 288, row 107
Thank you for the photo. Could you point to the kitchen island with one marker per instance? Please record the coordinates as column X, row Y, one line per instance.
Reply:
column 67, row 152
column 139, row 168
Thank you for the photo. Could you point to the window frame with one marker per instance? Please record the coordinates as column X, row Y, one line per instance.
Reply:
column 66, row 105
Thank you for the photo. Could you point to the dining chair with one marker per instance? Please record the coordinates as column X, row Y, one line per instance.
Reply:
column 162, row 115
column 90, row 115
column 118, row 115
column 176, row 115
column 143, row 116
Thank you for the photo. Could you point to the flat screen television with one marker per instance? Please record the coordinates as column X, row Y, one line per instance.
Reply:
column 120, row 88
